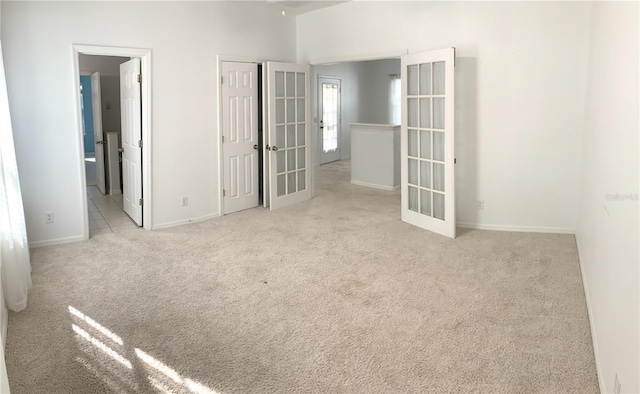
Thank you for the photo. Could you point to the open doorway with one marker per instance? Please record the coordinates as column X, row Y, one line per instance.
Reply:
column 367, row 93
column 101, row 118
column 120, row 113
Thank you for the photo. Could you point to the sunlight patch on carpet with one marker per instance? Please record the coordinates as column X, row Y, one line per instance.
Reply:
column 115, row 338
column 115, row 370
column 167, row 377
column 100, row 345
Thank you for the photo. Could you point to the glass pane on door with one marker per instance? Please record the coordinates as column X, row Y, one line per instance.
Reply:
column 329, row 119
column 288, row 141
column 427, row 136
column 425, row 146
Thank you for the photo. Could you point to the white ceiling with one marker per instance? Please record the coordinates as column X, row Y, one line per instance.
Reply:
column 297, row 7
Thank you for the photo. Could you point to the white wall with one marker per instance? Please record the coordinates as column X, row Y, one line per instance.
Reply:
column 106, row 65
column 375, row 90
column 185, row 38
column 110, row 92
column 520, row 78
column 608, row 231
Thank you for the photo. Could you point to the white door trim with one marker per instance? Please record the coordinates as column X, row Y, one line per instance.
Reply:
column 145, row 67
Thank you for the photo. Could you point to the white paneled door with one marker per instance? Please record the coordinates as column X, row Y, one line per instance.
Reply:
column 96, row 106
column 131, row 107
column 427, row 141
column 329, row 92
column 288, row 133
column 240, row 136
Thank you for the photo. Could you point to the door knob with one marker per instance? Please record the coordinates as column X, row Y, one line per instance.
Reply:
column 274, row 148
column 121, row 150
column 100, row 142
column 255, row 147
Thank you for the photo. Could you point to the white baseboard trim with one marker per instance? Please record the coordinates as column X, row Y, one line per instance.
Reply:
column 381, row 187
column 185, row 221
column 57, row 241
column 519, row 229
column 594, row 340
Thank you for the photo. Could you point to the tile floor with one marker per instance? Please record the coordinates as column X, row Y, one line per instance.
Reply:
column 106, row 214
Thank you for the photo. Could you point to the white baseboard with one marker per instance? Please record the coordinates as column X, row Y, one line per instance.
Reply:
column 519, row 229
column 185, row 221
column 381, row 187
column 594, row 340
column 57, row 241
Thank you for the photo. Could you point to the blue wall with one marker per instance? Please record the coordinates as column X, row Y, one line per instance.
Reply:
column 87, row 111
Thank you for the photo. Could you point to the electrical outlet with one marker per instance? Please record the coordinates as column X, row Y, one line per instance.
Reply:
column 48, row 217
column 185, row 201
column 617, row 386
column 480, row 205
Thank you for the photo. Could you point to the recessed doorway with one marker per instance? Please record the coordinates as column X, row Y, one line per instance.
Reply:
column 136, row 144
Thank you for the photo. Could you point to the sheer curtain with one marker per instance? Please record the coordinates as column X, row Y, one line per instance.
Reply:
column 14, row 248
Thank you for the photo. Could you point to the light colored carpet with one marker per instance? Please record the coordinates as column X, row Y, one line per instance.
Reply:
column 332, row 295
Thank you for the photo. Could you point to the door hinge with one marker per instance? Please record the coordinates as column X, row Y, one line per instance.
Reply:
column 224, row 193
column 141, row 201
column 139, row 143
column 139, row 78
column 221, row 79
column 223, row 139
column 454, row 56
column 454, row 160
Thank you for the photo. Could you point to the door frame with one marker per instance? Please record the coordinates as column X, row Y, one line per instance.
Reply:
column 319, row 112
column 145, row 69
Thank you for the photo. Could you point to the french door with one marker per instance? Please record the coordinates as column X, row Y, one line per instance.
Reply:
column 288, row 133
column 427, row 141
column 329, row 92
